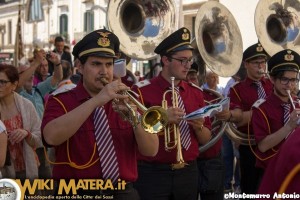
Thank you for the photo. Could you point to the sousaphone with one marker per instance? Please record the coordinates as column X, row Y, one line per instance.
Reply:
column 277, row 25
column 218, row 45
column 141, row 25
column 218, row 38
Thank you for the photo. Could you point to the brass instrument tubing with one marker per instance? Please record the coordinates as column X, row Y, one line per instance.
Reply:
column 173, row 91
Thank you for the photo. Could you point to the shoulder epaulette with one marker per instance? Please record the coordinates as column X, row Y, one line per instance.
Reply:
column 55, row 93
column 235, row 83
column 143, row 83
column 196, row 86
column 258, row 103
column 62, row 90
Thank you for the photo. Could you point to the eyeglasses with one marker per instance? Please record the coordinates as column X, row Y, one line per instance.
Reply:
column 285, row 81
column 3, row 82
column 256, row 63
column 184, row 61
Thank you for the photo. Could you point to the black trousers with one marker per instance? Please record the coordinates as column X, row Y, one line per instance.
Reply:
column 250, row 175
column 211, row 178
column 160, row 182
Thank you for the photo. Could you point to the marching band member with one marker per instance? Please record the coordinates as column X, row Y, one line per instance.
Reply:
column 90, row 138
column 158, row 179
column 275, row 117
column 242, row 96
column 282, row 175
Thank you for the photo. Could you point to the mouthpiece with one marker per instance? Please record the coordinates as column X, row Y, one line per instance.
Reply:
column 104, row 81
column 262, row 72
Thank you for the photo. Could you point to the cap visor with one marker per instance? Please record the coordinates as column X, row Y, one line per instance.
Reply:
column 192, row 70
column 101, row 54
column 286, row 68
column 183, row 47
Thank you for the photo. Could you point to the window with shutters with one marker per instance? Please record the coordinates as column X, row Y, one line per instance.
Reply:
column 63, row 24
column 89, row 21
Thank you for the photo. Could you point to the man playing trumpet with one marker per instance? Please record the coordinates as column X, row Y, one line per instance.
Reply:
column 173, row 172
column 90, row 138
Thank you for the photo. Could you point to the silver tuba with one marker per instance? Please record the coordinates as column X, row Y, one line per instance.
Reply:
column 218, row 39
column 218, row 45
column 277, row 25
column 141, row 25
column 238, row 136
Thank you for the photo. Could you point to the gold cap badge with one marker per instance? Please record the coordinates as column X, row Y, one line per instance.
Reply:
column 103, row 40
column 259, row 48
column 289, row 56
column 185, row 35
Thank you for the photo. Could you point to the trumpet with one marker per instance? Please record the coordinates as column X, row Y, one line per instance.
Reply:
column 153, row 119
column 176, row 142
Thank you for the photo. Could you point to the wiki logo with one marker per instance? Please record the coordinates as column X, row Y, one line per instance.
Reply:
column 9, row 190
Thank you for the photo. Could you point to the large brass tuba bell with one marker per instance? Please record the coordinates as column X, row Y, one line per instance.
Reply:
column 218, row 39
column 277, row 25
column 141, row 25
column 218, row 45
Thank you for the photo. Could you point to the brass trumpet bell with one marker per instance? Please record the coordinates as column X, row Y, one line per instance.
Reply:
column 154, row 119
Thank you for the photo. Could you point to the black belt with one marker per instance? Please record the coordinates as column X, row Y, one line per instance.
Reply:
column 165, row 166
